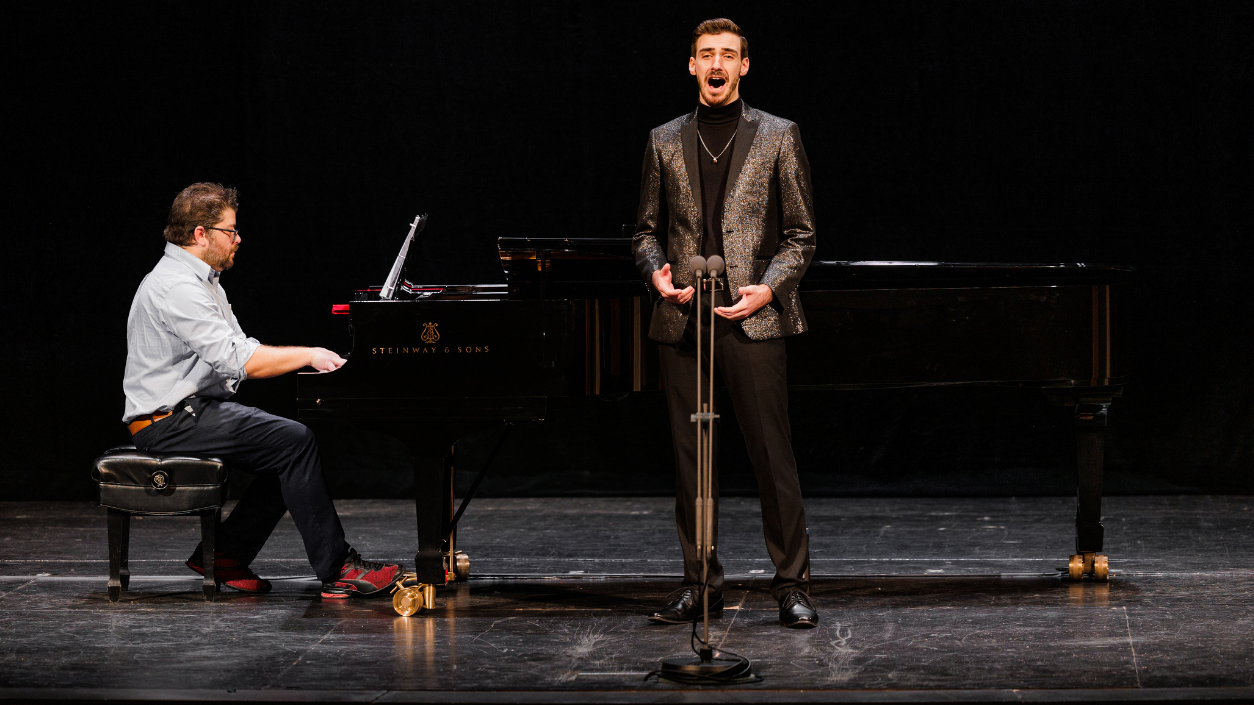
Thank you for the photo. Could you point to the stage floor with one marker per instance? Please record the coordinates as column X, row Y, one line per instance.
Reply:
column 920, row 599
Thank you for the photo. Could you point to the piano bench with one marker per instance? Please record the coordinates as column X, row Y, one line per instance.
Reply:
column 131, row 483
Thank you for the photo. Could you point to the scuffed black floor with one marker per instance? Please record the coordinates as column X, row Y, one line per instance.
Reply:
column 919, row 594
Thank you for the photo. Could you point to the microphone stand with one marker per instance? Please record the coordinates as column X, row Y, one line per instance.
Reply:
column 708, row 668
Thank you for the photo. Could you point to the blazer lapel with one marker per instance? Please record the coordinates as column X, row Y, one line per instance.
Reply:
column 688, row 135
column 745, row 132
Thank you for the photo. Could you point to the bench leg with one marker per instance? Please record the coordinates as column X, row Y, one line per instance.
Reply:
column 116, row 536
column 208, row 523
column 124, row 570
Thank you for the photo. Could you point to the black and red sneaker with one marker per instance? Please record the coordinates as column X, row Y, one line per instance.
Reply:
column 229, row 572
column 360, row 578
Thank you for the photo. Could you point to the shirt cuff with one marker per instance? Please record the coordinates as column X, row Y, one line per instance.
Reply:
column 249, row 347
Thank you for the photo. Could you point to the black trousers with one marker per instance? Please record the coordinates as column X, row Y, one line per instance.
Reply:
column 754, row 373
column 284, row 457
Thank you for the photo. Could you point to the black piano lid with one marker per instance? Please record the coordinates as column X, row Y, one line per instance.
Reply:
column 824, row 274
column 893, row 274
column 559, row 247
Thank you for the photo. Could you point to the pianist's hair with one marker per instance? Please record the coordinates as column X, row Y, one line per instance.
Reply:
column 718, row 26
column 199, row 204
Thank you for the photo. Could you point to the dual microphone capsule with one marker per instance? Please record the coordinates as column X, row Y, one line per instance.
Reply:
column 701, row 267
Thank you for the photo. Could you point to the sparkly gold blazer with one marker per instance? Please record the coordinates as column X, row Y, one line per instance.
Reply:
column 768, row 219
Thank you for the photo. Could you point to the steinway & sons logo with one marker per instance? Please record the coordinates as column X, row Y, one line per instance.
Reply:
column 430, row 336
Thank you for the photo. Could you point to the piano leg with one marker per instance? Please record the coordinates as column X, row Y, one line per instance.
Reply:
column 429, row 500
column 1090, row 440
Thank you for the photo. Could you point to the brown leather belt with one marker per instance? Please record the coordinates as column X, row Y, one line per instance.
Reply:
column 143, row 422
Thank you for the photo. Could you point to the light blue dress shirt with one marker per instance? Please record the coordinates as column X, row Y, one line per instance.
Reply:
column 181, row 338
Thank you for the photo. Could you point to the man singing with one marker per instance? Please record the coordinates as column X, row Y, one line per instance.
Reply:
column 732, row 181
column 186, row 355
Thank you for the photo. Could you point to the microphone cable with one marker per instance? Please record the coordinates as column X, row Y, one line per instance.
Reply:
column 737, row 671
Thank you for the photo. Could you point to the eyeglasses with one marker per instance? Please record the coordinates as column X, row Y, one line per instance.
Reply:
column 234, row 232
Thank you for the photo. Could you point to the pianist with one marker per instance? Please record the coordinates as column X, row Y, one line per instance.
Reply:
column 730, row 180
column 186, row 355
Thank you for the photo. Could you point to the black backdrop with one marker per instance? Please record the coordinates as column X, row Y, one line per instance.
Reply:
column 1114, row 132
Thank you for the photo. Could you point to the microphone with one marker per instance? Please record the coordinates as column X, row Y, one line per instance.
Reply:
column 715, row 265
column 697, row 265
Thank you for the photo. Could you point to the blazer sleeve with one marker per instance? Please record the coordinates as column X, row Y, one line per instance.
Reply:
column 796, row 200
column 651, row 217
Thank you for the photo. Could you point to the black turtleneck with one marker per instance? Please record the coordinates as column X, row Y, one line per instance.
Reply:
column 717, row 127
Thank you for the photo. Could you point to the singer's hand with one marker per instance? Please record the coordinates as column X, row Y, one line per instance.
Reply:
column 752, row 298
column 662, row 282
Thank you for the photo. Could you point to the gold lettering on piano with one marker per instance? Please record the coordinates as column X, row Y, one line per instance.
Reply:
column 430, row 335
column 433, row 350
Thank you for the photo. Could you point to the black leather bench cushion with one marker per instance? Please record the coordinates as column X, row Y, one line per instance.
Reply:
column 159, row 484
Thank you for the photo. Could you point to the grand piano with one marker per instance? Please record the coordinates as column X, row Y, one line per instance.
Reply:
column 432, row 363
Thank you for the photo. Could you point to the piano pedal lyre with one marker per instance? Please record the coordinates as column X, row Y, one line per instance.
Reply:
column 409, row 600
column 1089, row 563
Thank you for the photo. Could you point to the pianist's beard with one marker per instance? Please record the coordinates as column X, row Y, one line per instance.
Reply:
column 221, row 259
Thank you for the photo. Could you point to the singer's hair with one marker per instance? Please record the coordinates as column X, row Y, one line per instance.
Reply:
column 718, row 26
column 198, row 205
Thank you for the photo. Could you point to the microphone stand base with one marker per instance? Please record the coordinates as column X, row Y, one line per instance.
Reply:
column 693, row 670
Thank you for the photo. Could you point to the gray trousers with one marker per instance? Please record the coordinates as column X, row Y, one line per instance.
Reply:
column 754, row 373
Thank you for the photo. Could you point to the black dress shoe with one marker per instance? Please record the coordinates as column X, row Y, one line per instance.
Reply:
column 796, row 611
column 687, row 608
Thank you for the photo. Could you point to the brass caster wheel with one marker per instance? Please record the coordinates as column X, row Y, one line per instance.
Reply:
column 1101, row 568
column 1075, row 567
column 461, row 567
column 409, row 600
